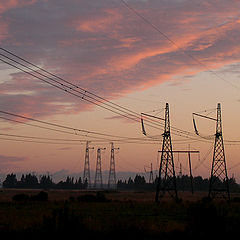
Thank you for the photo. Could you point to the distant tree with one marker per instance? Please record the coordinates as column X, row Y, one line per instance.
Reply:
column 85, row 184
column 67, row 184
column 10, row 181
column 78, row 184
column 200, row 184
column 46, row 182
column 28, row 181
column 139, row 180
column 233, row 186
column 122, row 184
column 130, row 181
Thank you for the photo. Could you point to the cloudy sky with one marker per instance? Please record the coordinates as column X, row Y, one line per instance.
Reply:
column 138, row 54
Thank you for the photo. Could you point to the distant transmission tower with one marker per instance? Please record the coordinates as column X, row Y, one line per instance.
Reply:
column 166, row 178
column 86, row 173
column 150, row 173
column 98, row 175
column 112, row 172
column 219, row 178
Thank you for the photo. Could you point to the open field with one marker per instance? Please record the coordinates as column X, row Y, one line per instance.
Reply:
column 117, row 214
column 62, row 195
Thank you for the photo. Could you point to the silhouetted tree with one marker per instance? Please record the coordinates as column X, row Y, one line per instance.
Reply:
column 10, row 181
column 85, row 184
column 78, row 184
column 28, row 181
column 139, row 180
column 130, row 181
column 46, row 182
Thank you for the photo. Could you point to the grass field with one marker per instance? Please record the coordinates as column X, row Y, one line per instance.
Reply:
column 117, row 214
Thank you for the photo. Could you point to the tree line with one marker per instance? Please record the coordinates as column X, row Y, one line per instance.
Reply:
column 184, row 183
column 31, row 181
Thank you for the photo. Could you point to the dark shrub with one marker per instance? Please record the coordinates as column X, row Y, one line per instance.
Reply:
column 87, row 198
column 20, row 197
column 99, row 197
column 236, row 199
column 42, row 196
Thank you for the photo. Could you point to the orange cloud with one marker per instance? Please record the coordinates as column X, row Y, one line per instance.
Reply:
column 131, row 59
column 110, row 51
column 98, row 23
column 8, row 4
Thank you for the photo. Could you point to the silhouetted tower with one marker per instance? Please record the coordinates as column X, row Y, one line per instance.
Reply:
column 166, row 179
column 150, row 180
column 219, row 179
column 112, row 172
column 98, row 175
column 151, row 175
column 86, row 173
column 180, row 171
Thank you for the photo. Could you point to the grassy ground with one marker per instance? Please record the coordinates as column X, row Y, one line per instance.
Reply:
column 117, row 214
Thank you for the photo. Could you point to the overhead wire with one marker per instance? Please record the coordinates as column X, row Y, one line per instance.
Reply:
column 42, row 138
column 201, row 162
column 84, row 94
column 71, row 140
column 75, row 130
column 115, row 108
column 147, row 21
column 42, row 142
column 91, row 97
column 60, row 126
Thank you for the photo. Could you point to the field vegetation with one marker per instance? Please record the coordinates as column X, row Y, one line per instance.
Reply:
column 116, row 214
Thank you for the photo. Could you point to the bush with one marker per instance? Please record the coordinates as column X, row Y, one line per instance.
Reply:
column 20, row 197
column 99, row 197
column 42, row 196
column 87, row 198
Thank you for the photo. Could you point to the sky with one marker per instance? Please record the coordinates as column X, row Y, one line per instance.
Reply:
column 139, row 54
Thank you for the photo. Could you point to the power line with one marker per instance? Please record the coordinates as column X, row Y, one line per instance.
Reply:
column 82, row 93
column 117, row 109
column 42, row 138
column 42, row 142
column 60, row 126
column 75, row 130
column 175, row 44
column 46, row 128
column 80, row 140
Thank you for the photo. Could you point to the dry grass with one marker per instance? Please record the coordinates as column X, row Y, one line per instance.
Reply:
column 62, row 195
column 126, row 211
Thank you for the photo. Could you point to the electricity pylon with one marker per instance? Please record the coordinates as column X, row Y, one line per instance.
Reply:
column 167, row 178
column 86, row 173
column 98, row 175
column 219, row 178
column 112, row 172
column 150, row 173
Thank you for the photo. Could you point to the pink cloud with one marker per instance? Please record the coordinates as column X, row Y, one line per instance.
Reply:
column 105, row 48
column 97, row 23
column 8, row 4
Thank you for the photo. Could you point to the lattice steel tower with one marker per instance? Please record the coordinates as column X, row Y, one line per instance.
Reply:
column 166, row 179
column 219, row 179
column 98, row 183
column 151, row 174
column 86, row 173
column 112, row 172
